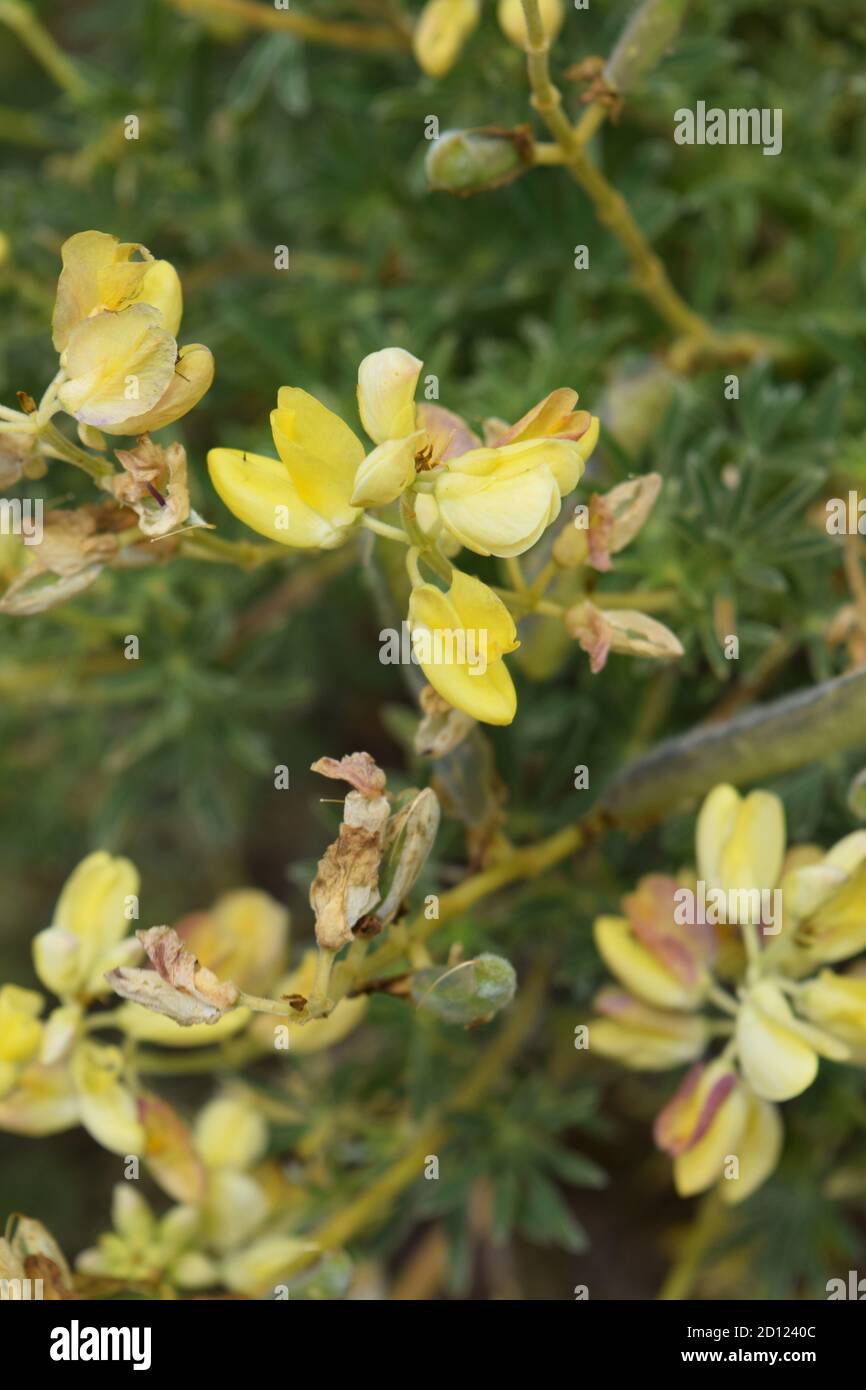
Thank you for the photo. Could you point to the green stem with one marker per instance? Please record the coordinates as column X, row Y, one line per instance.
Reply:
column 391, row 533
column 337, row 1230
column 371, row 38
column 261, row 1005
column 32, row 32
column 204, row 545
column 93, row 465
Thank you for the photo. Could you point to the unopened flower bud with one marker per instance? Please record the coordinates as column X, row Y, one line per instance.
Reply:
column 442, row 29
column 512, row 20
column 474, row 989
column 472, row 161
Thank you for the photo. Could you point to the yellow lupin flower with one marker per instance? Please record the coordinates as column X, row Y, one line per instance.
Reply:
column 20, row 1032
column 146, row 1249
column 778, row 1024
column 107, row 1109
column 740, row 846
column 828, row 899
column 659, row 977
column 498, row 501
column 779, row 1052
column 230, row 1136
column 459, row 639
column 642, row 1037
column 230, row 1133
column 718, row 1133
column 115, row 324
column 302, row 498
column 838, row 1003
column 89, row 933
column 243, row 937
column 386, row 404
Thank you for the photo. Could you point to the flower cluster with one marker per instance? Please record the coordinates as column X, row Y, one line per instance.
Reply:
column 239, row 1221
column 493, row 498
column 115, row 322
column 116, row 318
column 223, row 1230
column 752, row 931
column 53, row 1073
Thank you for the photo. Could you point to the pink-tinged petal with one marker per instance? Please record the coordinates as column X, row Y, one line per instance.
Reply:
column 449, row 433
column 599, row 533
column 650, row 912
column 686, row 1118
column 549, row 418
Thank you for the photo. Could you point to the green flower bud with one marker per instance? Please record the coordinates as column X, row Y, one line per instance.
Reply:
column 472, row 161
column 474, row 989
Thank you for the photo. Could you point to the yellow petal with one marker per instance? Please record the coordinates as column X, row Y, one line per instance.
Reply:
column 703, row 1125
column 20, row 1029
column 478, row 607
column 458, row 639
column 715, row 822
column 512, row 20
column 740, row 843
column 498, row 501
column 642, row 1037
column 131, row 1217
column 758, row 1150
column 89, row 922
column 386, row 393
column 776, row 1061
column 118, row 365
column 441, row 31
column 320, row 453
column 108, row 1110
column 385, row 474
column 160, row 286
column 755, row 851
column 643, row 973
column 500, row 516
column 42, row 1102
column 97, row 274
column 230, row 1133
column 838, row 929
column 235, row 1208
column 191, row 379
column 259, row 491
column 319, row 431
column 838, row 1002
column 146, row 1026
column 257, row 1269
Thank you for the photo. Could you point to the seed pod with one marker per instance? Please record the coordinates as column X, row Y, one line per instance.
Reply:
column 649, row 32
